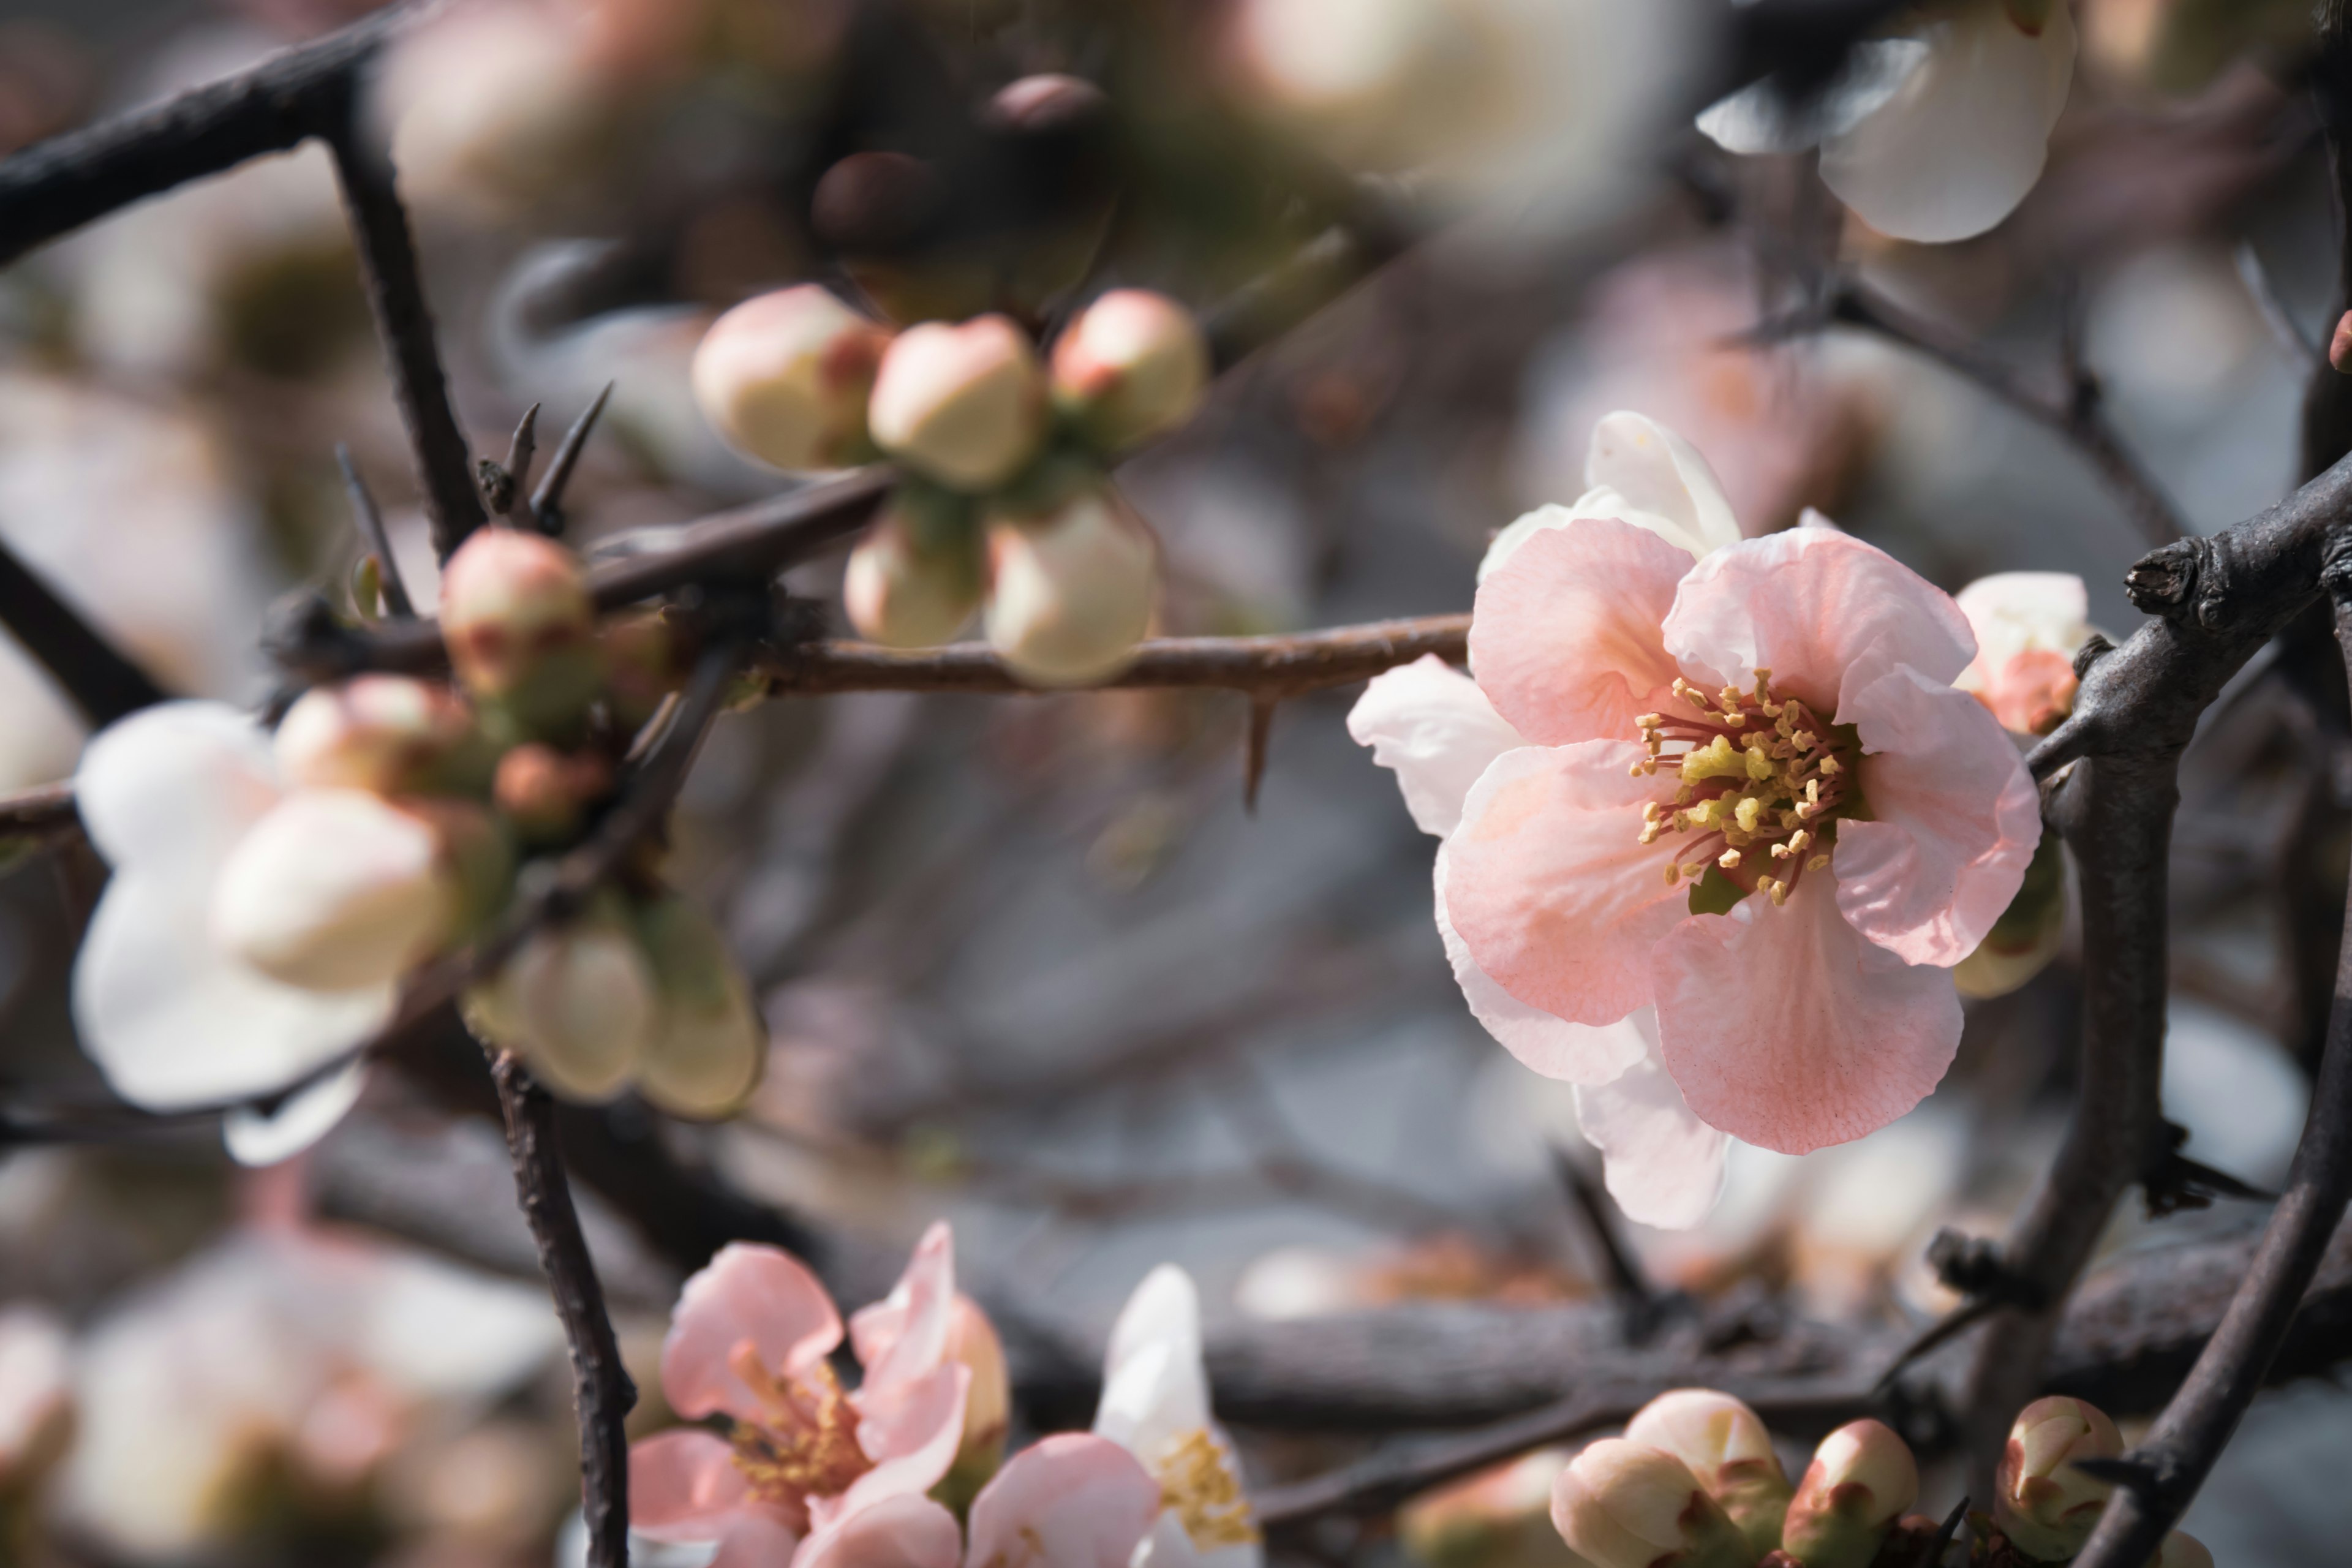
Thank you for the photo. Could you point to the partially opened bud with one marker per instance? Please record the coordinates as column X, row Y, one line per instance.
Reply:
column 390, row 733
column 546, row 792
column 964, row 405
column 1728, row 1448
column 1627, row 1505
column 785, row 378
column 1133, row 366
column 988, row 1403
column 521, row 630
column 2339, row 347
column 335, row 890
column 707, row 1044
column 1862, row 1478
column 2043, row 1502
column 2182, row 1551
column 1070, row 589
column 914, row 581
column 577, row 1001
column 2029, row 933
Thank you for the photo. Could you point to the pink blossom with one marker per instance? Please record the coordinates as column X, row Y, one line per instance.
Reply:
column 2028, row 626
column 1746, row 796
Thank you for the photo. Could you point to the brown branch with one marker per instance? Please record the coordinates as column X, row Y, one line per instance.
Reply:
column 84, row 662
column 36, row 818
column 602, row 1392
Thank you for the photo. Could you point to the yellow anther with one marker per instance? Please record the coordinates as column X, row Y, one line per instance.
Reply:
column 1779, row 894
column 1829, row 765
column 1650, row 721
column 1674, row 873
column 1781, row 852
column 1729, row 859
column 1804, row 739
column 1817, row 862
column 1746, row 813
column 1798, row 841
column 1718, row 759
column 1635, row 771
column 1813, row 791
column 1759, row 765
column 1805, row 809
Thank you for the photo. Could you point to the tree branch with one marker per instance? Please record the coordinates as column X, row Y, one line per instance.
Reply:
column 81, row 658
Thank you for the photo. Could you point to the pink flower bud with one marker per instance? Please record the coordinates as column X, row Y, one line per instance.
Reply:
column 2182, row 1551
column 389, row 733
column 2339, row 347
column 1627, row 1505
column 707, row 1045
column 1070, row 589
column 336, row 889
column 785, row 378
column 1862, row 1478
column 577, row 1002
column 1133, row 366
column 2043, row 1502
column 520, row 631
column 1497, row 1517
column 1728, row 1448
column 546, row 792
column 914, row 581
column 964, row 405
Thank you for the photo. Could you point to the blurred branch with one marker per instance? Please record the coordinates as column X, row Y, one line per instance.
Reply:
column 84, row 663
column 36, row 818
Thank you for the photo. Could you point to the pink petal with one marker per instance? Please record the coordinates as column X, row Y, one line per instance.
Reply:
column 749, row 1294
column 684, row 1486
column 1565, row 634
column 904, row 1531
column 911, row 1431
column 1573, row 1053
column 1551, row 887
column 1075, row 1500
column 756, row 1540
column 1956, row 821
column 904, row 1335
column 1662, row 1164
column 1825, row 613
column 1430, row 725
column 1784, row 1028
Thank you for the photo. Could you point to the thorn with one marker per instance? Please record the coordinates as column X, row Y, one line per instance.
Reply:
column 1261, row 724
column 2133, row 1475
column 547, row 500
column 1936, row 1334
column 518, row 455
column 1934, row 1556
column 1644, row 1305
column 371, row 521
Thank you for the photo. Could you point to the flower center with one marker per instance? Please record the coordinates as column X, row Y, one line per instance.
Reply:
column 805, row 1444
column 1762, row 779
column 1197, row 1480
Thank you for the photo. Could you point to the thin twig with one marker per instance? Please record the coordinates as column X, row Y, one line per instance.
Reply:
column 81, row 658
column 370, row 525
column 2264, row 291
column 38, row 818
column 547, row 500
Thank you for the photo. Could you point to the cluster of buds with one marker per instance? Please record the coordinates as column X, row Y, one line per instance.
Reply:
column 1696, row 1481
column 1004, row 503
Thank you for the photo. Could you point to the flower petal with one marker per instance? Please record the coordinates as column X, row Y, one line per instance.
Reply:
column 759, row 1540
column 172, row 1021
column 1953, row 153
column 904, row 1531
column 1954, row 821
column 1656, row 474
column 175, row 786
column 1661, row 1163
column 1760, row 118
column 748, row 1296
column 904, row 1335
column 1551, row 887
column 257, row 1138
column 1784, row 1026
column 1825, row 613
column 911, row 1430
column 1153, row 1385
column 1564, row 635
column 1574, row 1053
column 1430, row 725
column 1071, row 1500
column 685, row 1485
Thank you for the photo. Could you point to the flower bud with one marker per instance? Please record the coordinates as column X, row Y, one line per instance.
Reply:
column 707, row 1045
column 1497, row 1517
column 785, row 378
column 988, row 1403
column 1862, row 1478
column 1728, row 1448
column 336, row 889
column 2182, row 1551
column 914, row 581
column 389, row 733
column 521, row 630
column 1133, row 366
column 2042, row 1503
column 546, row 792
column 577, row 1001
column 1070, row 588
column 2339, row 347
column 1627, row 1505
column 964, row 405
column 2029, row 933
column 643, row 664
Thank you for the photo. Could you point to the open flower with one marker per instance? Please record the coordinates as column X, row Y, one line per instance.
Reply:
column 1748, row 797
column 1155, row 1405
column 1934, row 136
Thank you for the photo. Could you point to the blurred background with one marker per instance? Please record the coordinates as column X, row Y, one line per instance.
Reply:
column 1027, row 962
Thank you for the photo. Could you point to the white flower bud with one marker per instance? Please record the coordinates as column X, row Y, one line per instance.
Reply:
column 914, row 581
column 1627, row 1505
column 1862, row 1478
column 390, row 733
column 785, row 378
column 964, row 405
column 1133, row 366
column 336, row 889
column 520, row 627
column 578, row 1004
column 707, row 1045
column 1728, row 1448
column 2042, row 1503
column 1070, row 590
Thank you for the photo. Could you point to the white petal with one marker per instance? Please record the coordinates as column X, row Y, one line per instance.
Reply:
column 335, row 889
column 2023, row 611
column 175, row 785
column 1758, row 119
column 1662, row 1164
column 1954, row 152
column 174, row 1021
column 1543, row 1042
column 1154, row 1387
column 1640, row 472
column 257, row 1138
column 1432, row 726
